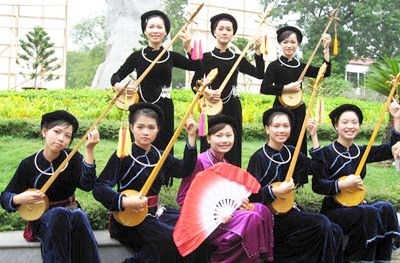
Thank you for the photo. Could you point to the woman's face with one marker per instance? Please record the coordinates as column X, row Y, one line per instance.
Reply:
column 289, row 46
column 155, row 30
column 279, row 129
column 348, row 126
column 224, row 32
column 144, row 131
column 57, row 138
column 222, row 141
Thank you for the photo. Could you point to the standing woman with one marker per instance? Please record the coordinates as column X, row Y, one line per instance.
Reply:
column 223, row 28
column 371, row 227
column 299, row 236
column 64, row 229
column 247, row 236
column 156, row 86
column 282, row 75
column 151, row 239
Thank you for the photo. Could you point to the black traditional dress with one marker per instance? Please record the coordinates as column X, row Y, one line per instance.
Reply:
column 156, row 86
column 370, row 227
column 230, row 97
column 152, row 239
column 299, row 236
column 64, row 229
column 281, row 72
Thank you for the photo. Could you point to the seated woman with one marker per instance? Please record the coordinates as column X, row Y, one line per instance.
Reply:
column 299, row 236
column 152, row 238
column 64, row 229
column 247, row 236
column 370, row 227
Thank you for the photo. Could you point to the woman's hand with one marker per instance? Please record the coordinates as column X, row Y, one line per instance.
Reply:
column 351, row 181
column 28, row 197
column 312, row 126
column 191, row 127
column 93, row 138
column 212, row 95
column 129, row 89
column 283, row 188
column 396, row 150
column 186, row 41
column 257, row 45
column 326, row 41
column 292, row 87
column 134, row 202
column 246, row 205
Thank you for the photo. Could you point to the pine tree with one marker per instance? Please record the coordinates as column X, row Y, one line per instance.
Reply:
column 37, row 58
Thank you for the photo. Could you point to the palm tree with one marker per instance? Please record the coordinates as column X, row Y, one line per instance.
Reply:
column 379, row 79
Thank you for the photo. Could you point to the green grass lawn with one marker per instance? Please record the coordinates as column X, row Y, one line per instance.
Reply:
column 382, row 182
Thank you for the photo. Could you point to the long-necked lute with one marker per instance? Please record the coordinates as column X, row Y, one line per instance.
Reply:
column 34, row 211
column 130, row 217
column 283, row 203
column 125, row 100
column 352, row 196
column 293, row 100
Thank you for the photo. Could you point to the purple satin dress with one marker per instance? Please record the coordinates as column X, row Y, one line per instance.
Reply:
column 247, row 237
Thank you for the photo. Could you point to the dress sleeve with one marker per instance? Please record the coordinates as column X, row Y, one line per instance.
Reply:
column 256, row 168
column 247, row 68
column 321, row 183
column 269, row 85
column 126, row 68
column 177, row 168
column 103, row 189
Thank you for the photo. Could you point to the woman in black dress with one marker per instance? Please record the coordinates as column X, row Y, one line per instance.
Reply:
column 64, row 229
column 156, row 86
column 223, row 28
column 151, row 239
column 282, row 75
column 370, row 227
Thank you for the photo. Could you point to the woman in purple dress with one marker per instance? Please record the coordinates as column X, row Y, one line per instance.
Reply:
column 299, row 236
column 370, row 227
column 64, row 229
column 247, row 236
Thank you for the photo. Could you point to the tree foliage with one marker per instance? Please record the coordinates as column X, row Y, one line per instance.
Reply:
column 90, row 33
column 90, row 36
column 176, row 13
column 381, row 73
column 367, row 28
column 37, row 56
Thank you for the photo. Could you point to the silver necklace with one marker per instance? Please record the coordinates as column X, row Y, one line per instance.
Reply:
column 275, row 161
column 151, row 61
column 209, row 157
column 344, row 156
column 147, row 164
column 290, row 66
column 47, row 173
column 222, row 58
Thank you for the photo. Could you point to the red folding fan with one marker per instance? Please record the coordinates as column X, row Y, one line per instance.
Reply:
column 213, row 196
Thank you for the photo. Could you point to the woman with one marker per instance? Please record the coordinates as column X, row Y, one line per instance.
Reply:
column 247, row 236
column 156, row 86
column 299, row 236
column 152, row 238
column 282, row 76
column 370, row 227
column 64, row 229
column 223, row 28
